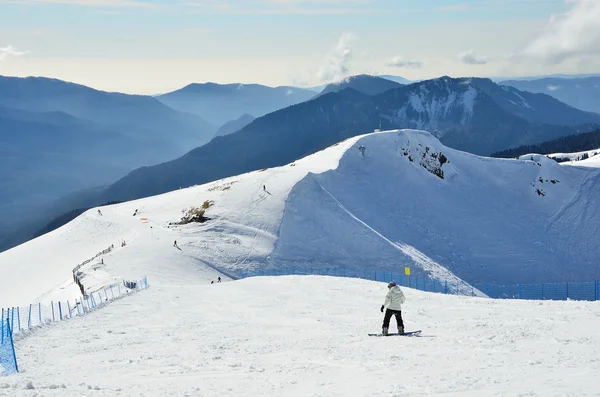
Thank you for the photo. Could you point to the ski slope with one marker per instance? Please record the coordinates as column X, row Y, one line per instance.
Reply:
column 486, row 221
column 307, row 336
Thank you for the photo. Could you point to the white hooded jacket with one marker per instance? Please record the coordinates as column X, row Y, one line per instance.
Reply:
column 394, row 298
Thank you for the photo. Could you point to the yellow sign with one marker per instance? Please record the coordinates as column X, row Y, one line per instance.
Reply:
column 407, row 271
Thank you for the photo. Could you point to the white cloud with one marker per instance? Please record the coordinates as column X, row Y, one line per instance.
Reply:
column 5, row 52
column 572, row 34
column 470, row 58
column 399, row 62
column 337, row 63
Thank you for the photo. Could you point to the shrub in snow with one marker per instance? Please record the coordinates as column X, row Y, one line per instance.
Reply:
column 195, row 214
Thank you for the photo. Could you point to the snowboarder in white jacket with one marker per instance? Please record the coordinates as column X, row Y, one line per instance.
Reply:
column 393, row 305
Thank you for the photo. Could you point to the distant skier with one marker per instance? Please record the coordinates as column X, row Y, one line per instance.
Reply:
column 362, row 149
column 393, row 302
column 175, row 243
column 219, row 280
column 99, row 212
column 212, row 281
column 264, row 188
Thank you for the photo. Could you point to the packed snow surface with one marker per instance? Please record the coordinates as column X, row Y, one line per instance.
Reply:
column 307, row 336
column 408, row 201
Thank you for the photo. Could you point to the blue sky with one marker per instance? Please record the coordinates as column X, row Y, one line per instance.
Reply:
column 152, row 46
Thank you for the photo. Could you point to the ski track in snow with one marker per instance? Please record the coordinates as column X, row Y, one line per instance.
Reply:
column 433, row 268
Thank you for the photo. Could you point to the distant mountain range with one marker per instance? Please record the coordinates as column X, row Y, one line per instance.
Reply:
column 140, row 117
column 58, row 137
column 581, row 93
column 221, row 103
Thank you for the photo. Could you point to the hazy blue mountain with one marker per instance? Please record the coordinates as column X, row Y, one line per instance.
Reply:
column 537, row 108
column 220, row 103
column 370, row 85
column 234, row 125
column 581, row 93
column 58, row 137
column 397, row 79
column 151, row 119
column 46, row 155
column 499, row 79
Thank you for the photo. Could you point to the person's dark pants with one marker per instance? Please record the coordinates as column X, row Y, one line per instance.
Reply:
column 388, row 316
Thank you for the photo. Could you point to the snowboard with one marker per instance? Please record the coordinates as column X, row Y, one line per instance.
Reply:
column 410, row 333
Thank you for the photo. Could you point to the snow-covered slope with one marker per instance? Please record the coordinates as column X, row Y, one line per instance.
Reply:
column 587, row 158
column 593, row 161
column 307, row 336
column 409, row 201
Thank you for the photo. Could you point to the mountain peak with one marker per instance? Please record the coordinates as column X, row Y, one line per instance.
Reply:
column 364, row 83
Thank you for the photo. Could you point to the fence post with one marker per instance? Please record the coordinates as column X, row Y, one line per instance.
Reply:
column 472, row 291
column 52, row 304
column 19, row 317
column 29, row 319
column 12, row 319
column 106, row 294
column 70, row 312
column 13, row 345
column 60, row 310
column 456, row 287
column 40, row 311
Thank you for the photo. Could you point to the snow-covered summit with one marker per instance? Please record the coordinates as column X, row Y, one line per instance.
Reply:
column 405, row 200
